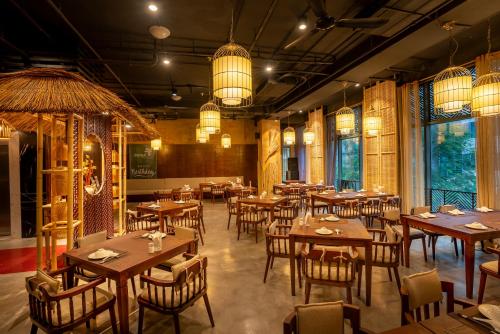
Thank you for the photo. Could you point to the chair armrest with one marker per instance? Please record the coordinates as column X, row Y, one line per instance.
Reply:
column 60, row 271
column 73, row 291
column 290, row 323
column 156, row 281
column 189, row 256
column 494, row 250
column 464, row 303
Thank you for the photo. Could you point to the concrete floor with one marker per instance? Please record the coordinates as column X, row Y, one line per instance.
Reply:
column 241, row 302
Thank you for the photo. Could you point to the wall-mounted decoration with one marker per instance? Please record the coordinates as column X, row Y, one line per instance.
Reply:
column 142, row 161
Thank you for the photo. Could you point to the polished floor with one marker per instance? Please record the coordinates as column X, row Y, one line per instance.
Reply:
column 241, row 302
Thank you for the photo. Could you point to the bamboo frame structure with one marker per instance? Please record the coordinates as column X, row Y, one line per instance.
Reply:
column 119, row 164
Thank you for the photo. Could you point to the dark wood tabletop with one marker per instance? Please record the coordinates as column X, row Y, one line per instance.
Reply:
column 269, row 200
column 454, row 226
column 134, row 260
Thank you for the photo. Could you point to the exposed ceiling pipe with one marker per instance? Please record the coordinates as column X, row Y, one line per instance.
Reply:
column 84, row 40
column 13, row 47
column 263, row 24
column 29, row 18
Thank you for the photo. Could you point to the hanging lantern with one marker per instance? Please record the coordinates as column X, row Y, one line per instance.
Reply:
column 156, row 144
column 289, row 136
column 5, row 130
column 345, row 121
column 201, row 136
column 452, row 89
column 225, row 141
column 308, row 136
column 372, row 122
column 210, row 118
column 486, row 95
column 232, row 76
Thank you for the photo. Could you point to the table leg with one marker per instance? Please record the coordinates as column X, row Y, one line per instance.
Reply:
column 469, row 268
column 70, row 275
column 406, row 242
column 368, row 276
column 122, row 301
column 312, row 205
column 160, row 221
column 271, row 214
column 291, row 239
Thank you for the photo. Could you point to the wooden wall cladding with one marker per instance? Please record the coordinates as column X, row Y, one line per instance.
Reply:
column 206, row 160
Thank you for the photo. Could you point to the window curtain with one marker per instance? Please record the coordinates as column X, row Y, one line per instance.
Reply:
column 331, row 150
column 300, row 151
column 411, row 148
column 488, row 145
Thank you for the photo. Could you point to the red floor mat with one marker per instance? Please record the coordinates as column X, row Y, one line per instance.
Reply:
column 21, row 259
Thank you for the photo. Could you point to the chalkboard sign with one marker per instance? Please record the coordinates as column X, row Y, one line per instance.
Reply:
column 141, row 161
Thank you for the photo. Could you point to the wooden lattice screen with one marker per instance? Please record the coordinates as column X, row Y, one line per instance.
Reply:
column 315, row 152
column 380, row 152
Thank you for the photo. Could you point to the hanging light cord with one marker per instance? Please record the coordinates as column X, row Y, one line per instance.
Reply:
column 488, row 58
column 454, row 40
column 232, row 24
column 345, row 99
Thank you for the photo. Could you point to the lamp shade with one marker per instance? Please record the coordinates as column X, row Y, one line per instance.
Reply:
column 289, row 136
column 225, row 141
column 345, row 121
column 156, row 144
column 5, row 130
column 210, row 118
column 232, row 76
column 308, row 136
column 452, row 89
column 201, row 136
column 486, row 95
column 372, row 122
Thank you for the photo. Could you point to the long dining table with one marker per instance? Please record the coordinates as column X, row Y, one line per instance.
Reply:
column 133, row 260
column 333, row 197
column 165, row 208
column 353, row 233
column 268, row 202
column 454, row 226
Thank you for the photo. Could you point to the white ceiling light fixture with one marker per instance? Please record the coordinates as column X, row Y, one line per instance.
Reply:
column 269, row 68
column 159, row 32
column 152, row 7
column 166, row 61
column 302, row 26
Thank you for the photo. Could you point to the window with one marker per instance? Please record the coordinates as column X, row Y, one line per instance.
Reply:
column 349, row 156
column 285, row 154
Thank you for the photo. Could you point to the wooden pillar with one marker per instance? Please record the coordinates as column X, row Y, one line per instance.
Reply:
column 269, row 155
column 39, row 191
column 80, row 176
column 124, row 182
column 69, row 199
column 119, row 124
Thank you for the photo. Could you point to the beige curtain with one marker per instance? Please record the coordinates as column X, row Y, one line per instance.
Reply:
column 488, row 146
column 411, row 148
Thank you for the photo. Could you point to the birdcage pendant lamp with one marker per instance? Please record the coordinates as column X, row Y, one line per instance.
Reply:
column 210, row 118
column 225, row 140
column 156, row 144
column 308, row 135
column 345, row 118
column 201, row 136
column 289, row 134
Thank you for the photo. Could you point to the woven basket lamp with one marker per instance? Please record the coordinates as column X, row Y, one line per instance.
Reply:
column 486, row 95
column 210, row 118
column 308, row 136
column 232, row 76
column 5, row 130
column 225, row 141
column 452, row 89
column 201, row 136
column 345, row 120
column 156, row 144
column 289, row 136
column 372, row 122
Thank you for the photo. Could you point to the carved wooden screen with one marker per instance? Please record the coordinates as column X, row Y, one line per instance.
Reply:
column 269, row 155
column 315, row 151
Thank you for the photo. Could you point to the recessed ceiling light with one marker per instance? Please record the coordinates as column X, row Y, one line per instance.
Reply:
column 166, row 61
column 269, row 68
column 302, row 26
column 153, row 7
column 300, row 111
column 159, row 32
column 128, row 126
column 357, row 84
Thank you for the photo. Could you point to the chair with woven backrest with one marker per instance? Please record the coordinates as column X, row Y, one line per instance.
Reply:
column 183, row 233
column 393, row 218
column 370, row 209
column 423, row 291
column 491, row 268
column 189, row 218
column 348, row 209
column 385, row 253
column 187, row 284
column 250, row 215
column 323, row 318
column 327, row 265
column 318, row 205
column 285, row 214
column 163, row 196
column 390, row 203
column 56, row 310
column 217, row 190
column 294, row 195
column 232, row 208
column 134, row 222
column 277, row 246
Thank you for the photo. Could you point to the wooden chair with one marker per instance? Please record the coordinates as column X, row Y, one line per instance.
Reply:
column 56, row 310
column 370, row 209
column 421, row 291
column 189, row 218
column 323, row 318
column 327, row 265
column 232, row 208
column 144, row 222
column 385, row 254
column 348, row 209
column 318, row 205
column 392, row 218
column 217, row 190
column 250, row 215
column 491, row 268
column 277, row 246
column 88, row 240
column 173, row 296
column 163, row 196
column 294, row 195
column 432, row 236
column 390, row 203
column 444, row 209
column 185, row 233
column 285, row 214
column 200, row 212
column 186, row 196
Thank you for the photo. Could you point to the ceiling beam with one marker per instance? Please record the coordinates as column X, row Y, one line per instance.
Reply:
column 263, row 24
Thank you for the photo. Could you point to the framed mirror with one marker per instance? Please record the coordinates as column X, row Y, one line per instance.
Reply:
column 93, row 165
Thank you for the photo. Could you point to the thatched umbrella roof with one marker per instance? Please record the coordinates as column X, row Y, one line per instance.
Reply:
column 56, row 92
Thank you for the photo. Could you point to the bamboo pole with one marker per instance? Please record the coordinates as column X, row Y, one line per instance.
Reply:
column 80, row 176
column 120, row 175
column 124, row 189
column 39, row 192
column 53, row 208
column 69, row 200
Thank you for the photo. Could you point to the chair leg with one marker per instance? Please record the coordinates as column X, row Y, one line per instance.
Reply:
column 209, row 310
column 434, row 241
column 424, row 248
column 229, row 221
column 396, row 276
column 267, row 267
column 203, row 224
column 389, row 272
column 201, row 234
column 360, row 275
column 463, row 248
column 299, row 271
column 239, row 228
column 455, row 246
column 272, row 262
column 308, row 292
column 482, row 286
column 132, row 281
column 256, row 234
column 34, row 329
column 112, row 318
column 401, row 255
column 349, row 295
column 177, row 324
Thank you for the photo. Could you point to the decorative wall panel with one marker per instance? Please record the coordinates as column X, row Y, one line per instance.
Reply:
column 315, row 152
column 269, row 155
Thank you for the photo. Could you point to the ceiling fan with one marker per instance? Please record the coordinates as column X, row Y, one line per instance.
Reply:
column 325, row 22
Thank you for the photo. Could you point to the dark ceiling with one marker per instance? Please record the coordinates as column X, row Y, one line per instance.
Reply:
column 109, row 43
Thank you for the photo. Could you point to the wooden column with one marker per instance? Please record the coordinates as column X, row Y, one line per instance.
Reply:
column 315, row 152
column 80, row 176
column 269, row 155
column 69, row 199
column 39, row 192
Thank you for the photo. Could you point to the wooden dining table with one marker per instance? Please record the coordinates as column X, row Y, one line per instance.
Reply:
column 269, row 202
column 302, row 186
column 134, row 259
column 353, row 233
column 451, row 323
column 454, row 226
column 166, row 208
column 333, row 197
column 234, row 191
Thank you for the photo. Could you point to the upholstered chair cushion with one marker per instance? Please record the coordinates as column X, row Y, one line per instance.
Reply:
column 447, row 207
column 382, row 257
column 491, row 266
column 53, row 283
column 413, row 231
column 422, row 288
column 392, row 214
column 92, row 239
column 390, row 234
column 181, row 267
column 320, row 318
column 102, row 296
column 185, row 232
column 421, row 209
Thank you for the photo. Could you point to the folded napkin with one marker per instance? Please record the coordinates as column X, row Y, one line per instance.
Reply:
column 484, row 209
column 323, row 193
column 153, row 206
column 358, row 195
column 427, row 215
column 338, row 196
column 251, row 196
column 362, row 189
column 456, row 212
column 477, row 225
